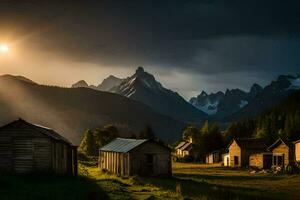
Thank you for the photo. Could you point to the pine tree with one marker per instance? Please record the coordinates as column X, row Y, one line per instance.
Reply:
column 87, row 145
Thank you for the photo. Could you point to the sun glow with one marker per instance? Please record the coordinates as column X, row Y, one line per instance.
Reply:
column 4, row 48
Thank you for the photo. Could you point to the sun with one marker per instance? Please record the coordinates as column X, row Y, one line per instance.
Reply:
column 4, row 48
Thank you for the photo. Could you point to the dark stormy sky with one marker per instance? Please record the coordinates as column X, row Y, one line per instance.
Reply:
column 188, row 45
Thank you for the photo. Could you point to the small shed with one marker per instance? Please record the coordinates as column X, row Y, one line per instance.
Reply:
column 27, row 148
column 214, row 156
column 240, row 150
column 261, row 160
column 135, row 156
column 283, row 153
column 297, row 150
column 226, row 159
column 184, row 149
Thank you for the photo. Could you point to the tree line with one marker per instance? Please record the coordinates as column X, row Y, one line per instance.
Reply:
column 93, row 140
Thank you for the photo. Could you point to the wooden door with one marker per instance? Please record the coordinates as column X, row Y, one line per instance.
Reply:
column 23, row 155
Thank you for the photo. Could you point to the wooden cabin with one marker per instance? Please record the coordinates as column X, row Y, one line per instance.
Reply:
column 214, row 157
column 135, row 156
column 261, row 160
column 27, row 148
column 297, row 150
column 283, row 153
column 185, row 148
column 240, row 150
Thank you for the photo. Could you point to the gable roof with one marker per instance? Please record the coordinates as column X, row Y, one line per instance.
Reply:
column 124, row 145
column 280, row 140
column 180, row 145
column 187, row 146
column 249, row 143
column 39, row 129
column 296, row 142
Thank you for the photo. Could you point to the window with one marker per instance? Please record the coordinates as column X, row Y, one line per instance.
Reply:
column 278, row 160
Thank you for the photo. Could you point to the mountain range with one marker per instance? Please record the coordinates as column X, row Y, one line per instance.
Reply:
column 131, row 104
column 143, row 87
column 71, row 111
column 236, row 104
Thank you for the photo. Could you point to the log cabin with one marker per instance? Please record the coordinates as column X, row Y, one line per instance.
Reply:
column 297, row 150
column 283, row 153
column 135, row 156
column 31, row 148
column 240, row 150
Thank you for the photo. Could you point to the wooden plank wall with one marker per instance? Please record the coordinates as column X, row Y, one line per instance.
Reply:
column 24, row 150
column 114, row 162
column 162, row 164
column 5, row 153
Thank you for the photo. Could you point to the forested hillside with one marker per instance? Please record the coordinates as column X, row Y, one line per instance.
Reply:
column 282, row 120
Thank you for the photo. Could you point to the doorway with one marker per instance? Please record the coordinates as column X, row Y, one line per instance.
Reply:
column 149, row 164
column 236, row 161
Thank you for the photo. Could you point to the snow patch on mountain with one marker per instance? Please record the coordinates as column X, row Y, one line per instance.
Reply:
column 209, row 108
column 295, row 83
column 243, row 103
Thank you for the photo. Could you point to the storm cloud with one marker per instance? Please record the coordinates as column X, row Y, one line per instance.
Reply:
column 204, row 40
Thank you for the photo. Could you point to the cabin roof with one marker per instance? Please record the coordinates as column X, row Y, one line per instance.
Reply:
column 180, row 145
column 40, row 129
column 250, row 143
column 123, row 145
column 280, row 140
column 296, row 142
column 187, row 146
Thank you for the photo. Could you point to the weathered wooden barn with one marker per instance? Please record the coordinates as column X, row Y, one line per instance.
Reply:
column 135, row 156
column 283, row 153
column 27, row 148
column 297, row 150
column 240, row 150
column 261, row 160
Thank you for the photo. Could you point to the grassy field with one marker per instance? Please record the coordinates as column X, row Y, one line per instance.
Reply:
column 189, row 181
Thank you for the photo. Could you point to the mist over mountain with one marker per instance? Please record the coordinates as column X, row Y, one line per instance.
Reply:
column 71, row 111
column 109, row 83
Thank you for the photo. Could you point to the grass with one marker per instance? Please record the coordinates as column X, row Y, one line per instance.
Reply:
column 189, row 181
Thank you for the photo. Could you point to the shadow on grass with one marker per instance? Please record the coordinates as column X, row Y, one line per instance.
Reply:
column 203, row 190
column 115, row 188
column 48, row 187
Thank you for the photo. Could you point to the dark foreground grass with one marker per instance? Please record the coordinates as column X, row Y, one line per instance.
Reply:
column 48, row 187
